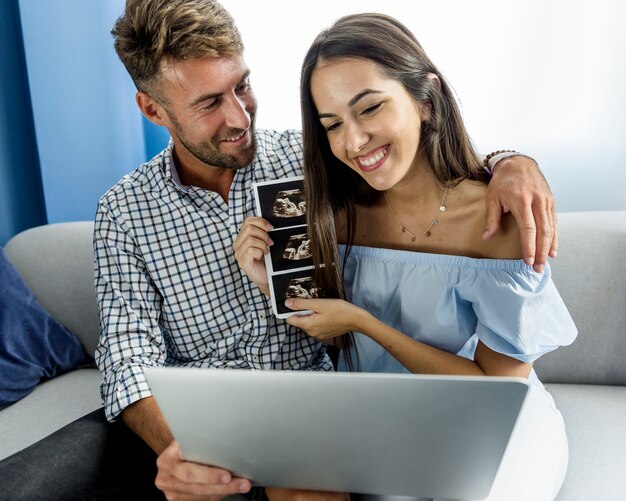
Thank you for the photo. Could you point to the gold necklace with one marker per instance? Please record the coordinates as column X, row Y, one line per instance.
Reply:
column 435, row 222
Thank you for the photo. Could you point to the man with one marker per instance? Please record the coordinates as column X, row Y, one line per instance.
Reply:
column 169, row 290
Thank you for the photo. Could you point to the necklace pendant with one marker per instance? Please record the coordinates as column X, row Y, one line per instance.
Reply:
column 435, row 222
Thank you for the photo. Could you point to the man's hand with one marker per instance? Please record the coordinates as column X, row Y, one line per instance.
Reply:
column 181, row 480
column 177, row 478
column 250, row 246
column 519, row 187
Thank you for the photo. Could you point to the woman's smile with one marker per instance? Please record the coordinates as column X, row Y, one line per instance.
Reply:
column 374, row 159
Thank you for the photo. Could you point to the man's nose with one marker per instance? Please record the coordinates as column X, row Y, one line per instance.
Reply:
column 236, row 113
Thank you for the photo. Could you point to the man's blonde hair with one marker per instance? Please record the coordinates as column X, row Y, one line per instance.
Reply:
column 152, row 31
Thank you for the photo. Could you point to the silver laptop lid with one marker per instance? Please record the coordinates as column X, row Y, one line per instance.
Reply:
column 394, row 434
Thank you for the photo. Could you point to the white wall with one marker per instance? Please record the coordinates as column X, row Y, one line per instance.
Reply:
column 544, row 77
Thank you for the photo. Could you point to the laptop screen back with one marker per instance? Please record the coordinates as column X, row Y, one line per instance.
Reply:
column 393, row 434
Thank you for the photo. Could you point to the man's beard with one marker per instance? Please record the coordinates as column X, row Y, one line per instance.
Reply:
column 209, row 153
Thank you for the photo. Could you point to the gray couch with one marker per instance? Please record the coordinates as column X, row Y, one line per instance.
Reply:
column 56, row 262
column 587, row 379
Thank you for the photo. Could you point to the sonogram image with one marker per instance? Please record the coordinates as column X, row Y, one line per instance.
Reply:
column 289, row 203
column 301, row 287
column 298, row 248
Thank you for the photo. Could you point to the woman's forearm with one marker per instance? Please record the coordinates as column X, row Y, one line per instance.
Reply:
column 416, row 356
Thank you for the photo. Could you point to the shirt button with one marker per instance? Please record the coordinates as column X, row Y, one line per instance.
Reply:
column 262, row 315
column 255, row 358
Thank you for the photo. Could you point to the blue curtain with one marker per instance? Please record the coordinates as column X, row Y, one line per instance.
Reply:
column 21, row 197
column 69, row 125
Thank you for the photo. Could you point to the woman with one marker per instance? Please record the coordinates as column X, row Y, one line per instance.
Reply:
column 391, row 175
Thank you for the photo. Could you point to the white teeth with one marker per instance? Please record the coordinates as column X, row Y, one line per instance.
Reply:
column 235, row 138
column 368, row 162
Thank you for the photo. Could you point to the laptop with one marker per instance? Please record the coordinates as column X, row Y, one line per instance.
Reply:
column 370, row 433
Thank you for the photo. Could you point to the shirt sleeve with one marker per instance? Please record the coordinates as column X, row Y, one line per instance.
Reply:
column 128, row 307
column 519, row 312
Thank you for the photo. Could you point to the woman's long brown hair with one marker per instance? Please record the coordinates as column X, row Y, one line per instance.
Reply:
column 334, row 189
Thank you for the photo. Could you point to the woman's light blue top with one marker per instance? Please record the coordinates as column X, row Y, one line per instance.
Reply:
column 451, row 302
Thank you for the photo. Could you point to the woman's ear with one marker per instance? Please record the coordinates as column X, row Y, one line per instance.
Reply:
column 434, row 79
column 426, row 108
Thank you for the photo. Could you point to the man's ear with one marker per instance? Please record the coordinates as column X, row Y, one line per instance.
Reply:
column 152, row 110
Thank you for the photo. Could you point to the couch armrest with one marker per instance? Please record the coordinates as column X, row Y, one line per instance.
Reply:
column 56, row 261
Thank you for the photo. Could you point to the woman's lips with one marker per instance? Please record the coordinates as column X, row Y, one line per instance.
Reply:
column 374, row 159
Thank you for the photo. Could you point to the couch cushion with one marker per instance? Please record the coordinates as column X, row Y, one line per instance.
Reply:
column 59, row 257
column 50, row 406
column 590, row 273
column 33, row 346
column 595, row 420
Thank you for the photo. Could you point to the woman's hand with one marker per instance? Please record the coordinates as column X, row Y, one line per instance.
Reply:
column 251, row 245
column 330, row 317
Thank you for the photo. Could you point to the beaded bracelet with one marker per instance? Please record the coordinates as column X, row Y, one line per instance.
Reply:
column 491, row 160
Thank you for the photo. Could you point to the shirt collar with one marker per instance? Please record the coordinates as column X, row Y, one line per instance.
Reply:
column 170, row 167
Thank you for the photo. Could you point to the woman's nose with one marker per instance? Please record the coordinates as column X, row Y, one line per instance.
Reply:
column 356, row 139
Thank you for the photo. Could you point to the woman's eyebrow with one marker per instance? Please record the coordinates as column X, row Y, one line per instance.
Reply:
column 361, row 95
column 353, row 101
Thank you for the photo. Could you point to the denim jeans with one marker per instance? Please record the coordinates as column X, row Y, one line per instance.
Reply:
column 89, row 459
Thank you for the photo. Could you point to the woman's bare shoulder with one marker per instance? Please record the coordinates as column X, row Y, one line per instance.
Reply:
column 471, row 217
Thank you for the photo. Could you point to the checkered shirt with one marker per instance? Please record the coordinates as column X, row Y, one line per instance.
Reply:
column 170, row 292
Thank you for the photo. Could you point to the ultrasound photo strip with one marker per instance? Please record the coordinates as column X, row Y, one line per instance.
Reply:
column 289, row 263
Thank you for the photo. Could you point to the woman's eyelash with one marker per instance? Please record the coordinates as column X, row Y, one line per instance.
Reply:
column 366, row 111
column 371, row 109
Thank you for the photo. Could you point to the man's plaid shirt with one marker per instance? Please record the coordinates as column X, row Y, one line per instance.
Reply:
column 169, row 289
